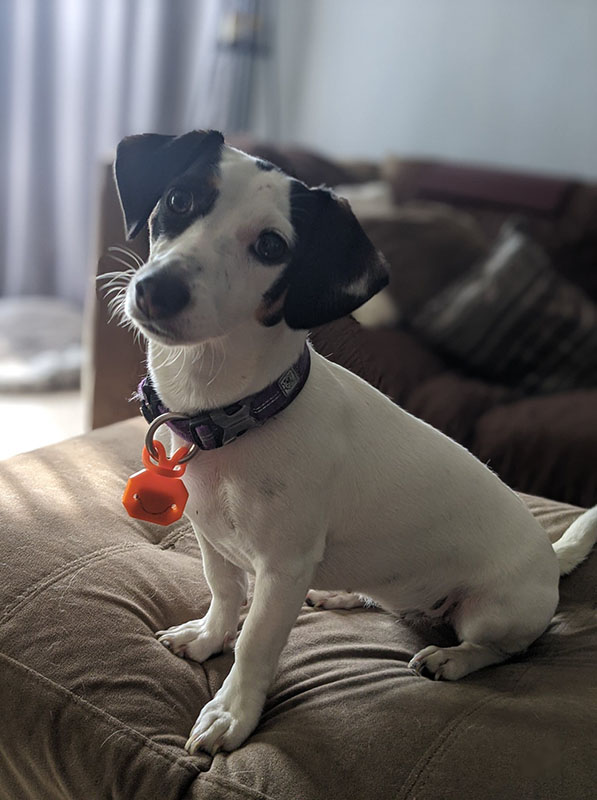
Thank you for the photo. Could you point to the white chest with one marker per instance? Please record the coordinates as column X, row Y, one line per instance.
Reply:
column 223, row 512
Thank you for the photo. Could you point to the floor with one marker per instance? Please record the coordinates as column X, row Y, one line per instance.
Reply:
column 29, row 421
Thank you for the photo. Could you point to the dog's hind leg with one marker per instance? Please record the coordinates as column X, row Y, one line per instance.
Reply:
column 491, row 629
column 337, row 600
column 452, row 663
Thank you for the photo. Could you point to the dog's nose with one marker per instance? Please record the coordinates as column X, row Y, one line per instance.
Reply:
column 162, row 294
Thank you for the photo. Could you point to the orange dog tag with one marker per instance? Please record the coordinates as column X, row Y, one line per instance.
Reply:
column 156, row 493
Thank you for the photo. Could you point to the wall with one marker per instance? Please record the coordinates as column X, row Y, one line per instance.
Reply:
column 511, row 82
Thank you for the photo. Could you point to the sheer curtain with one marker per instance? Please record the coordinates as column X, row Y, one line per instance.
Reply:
column 76, row 76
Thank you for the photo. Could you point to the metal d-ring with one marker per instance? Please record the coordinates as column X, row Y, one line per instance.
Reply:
column 167, row 417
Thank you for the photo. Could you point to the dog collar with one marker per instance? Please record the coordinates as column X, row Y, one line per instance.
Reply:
column 220, row 426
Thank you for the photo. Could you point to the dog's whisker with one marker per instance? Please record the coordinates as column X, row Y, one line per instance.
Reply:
column 127, row 264
column 115, row 312
column 218, row 345
column 199, row 351
column 177, row 352
column 114, row 285
column 125, row 322
column 116, row 306
column 116, row 274
column 116, row 293
column 182, row 366
column 167, row 362
column 119, row 289
column 213, row 358
column 170, row 356
column 127, row 252
column 119, row 280
column 116, row 302
column 116, row 279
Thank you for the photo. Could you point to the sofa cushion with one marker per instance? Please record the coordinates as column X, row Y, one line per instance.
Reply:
column 93, row 707
column 455, row 404
column 514, row 320
column 543, row 441
column 427, row 246
column 392, row 360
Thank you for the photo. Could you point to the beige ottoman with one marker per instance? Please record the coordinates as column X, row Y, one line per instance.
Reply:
column 91, row 706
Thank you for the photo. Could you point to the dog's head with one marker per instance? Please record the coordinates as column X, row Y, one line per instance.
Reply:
column 232, row 238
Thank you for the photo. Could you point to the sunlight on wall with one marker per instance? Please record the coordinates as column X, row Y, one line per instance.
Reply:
column 496, row 81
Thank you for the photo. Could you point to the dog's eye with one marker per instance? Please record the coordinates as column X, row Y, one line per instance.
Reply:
column 179, row 201
column 270, row 247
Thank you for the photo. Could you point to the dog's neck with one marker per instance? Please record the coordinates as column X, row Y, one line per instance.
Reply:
column 224, row 370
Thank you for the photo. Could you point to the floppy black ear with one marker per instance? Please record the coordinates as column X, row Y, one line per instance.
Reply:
column 335, row 267
column 147, row 163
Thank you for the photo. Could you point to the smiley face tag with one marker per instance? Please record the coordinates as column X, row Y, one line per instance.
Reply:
column 156, row 493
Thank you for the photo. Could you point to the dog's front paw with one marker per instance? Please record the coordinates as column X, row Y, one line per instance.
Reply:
column 194, row 639
column 225, row 722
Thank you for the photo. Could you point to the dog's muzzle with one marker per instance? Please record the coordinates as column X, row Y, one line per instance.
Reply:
column 162, row 294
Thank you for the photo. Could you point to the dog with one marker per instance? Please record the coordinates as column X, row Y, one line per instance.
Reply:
column 340, row 489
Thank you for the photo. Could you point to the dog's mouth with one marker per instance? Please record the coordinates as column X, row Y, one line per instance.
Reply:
column 153, row 330
column 148, row 326
column 156, row 330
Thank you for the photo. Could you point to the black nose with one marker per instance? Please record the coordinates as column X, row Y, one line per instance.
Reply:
column 162, row 294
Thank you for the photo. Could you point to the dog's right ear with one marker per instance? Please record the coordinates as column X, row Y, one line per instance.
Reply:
column 147, row 163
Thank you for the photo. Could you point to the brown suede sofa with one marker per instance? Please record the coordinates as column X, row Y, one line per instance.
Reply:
column 444, row 219
column 93, row 707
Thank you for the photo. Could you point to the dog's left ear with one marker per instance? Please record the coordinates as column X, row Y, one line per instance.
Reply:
column 147, row 163
column 335, row 268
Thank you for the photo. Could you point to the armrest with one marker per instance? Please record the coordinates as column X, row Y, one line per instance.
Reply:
column 116, row 358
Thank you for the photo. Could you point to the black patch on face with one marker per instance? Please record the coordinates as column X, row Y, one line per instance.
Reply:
column 148, row 165
column 266, row 166
column 271, row 310
column 200, row 181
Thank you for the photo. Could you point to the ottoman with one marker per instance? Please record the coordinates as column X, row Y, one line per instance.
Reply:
column 91, row 706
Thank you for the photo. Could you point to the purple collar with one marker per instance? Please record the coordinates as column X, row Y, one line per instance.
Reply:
column 219, row 426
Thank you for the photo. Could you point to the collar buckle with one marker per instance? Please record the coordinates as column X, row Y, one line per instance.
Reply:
column 232, row 424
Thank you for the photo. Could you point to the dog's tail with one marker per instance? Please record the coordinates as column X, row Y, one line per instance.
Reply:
column 577, row 542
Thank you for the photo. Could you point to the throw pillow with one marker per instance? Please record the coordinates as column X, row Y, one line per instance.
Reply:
column 514, row 320
column 427, row 246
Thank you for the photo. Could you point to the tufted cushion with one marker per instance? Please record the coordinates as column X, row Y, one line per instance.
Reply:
column 93, row 707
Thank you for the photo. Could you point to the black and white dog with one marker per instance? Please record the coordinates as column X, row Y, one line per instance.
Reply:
column 336, row 486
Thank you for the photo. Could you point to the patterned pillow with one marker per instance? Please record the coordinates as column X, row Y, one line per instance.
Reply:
column 514, row 320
